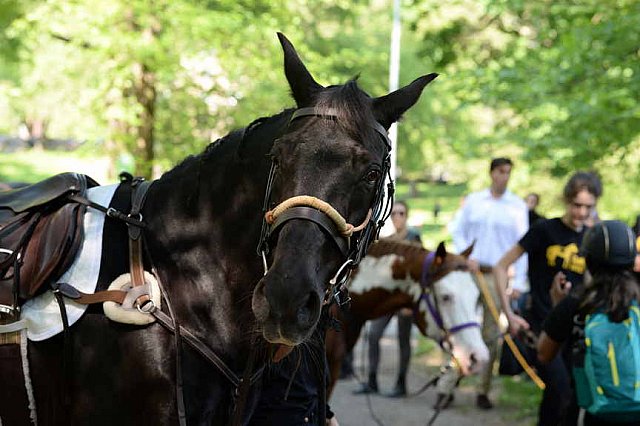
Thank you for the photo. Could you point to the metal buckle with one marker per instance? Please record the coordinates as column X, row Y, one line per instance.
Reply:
column 137, row 214
column 9, row 252
column 6, row 309
column 264, row 262
column 147, row 307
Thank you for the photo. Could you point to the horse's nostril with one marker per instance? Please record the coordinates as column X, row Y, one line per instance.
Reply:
column 259, row 303
column 473, row 359
column 308, row 311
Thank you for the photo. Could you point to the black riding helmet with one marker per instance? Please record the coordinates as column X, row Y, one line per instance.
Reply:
column 607, row 244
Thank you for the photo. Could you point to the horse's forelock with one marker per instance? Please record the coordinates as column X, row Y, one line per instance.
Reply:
column 352, row 106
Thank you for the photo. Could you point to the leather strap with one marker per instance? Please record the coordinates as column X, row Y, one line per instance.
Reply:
column 316, row 216
column 311, row 111
column 139, row 190
column 110, row 211
column 67, row 290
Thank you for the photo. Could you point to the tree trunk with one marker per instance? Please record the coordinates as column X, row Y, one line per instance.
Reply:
column 145, row 93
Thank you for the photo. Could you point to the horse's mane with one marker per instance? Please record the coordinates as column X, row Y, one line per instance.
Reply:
column 399, row 247
column 348, row 102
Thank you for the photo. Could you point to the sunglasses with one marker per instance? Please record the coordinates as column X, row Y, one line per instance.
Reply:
column 399, row 213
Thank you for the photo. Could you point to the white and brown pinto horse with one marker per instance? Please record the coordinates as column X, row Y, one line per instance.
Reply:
column 436, row 285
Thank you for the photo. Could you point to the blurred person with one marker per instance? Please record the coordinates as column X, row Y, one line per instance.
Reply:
column 399, row 217
column 293, row 390
column 532, row 200
column 599, row 316
column 552, row 246
column 495, row 219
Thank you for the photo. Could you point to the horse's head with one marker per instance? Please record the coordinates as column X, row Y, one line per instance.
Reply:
column 452, row 306
column 334, row 151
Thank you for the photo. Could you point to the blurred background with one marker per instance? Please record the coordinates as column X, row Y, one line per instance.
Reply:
column 104, row 86
column 99, row 87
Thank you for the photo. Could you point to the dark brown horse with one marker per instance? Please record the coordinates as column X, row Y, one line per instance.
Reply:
column 318, row 171
column 435, row 285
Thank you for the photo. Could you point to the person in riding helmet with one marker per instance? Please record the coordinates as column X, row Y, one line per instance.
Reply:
column 609, row 250
column 553, row 249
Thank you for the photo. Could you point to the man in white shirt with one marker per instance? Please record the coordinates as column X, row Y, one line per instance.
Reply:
column 495, row 219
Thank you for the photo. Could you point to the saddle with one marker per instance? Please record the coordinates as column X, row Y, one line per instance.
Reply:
column 41, row 230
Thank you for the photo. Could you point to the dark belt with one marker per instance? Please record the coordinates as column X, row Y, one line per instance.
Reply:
column 485, row 269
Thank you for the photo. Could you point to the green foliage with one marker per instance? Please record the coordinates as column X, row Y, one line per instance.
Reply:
column 553, row 85
column 558, row 79
column 520, row 397
column 33, row 166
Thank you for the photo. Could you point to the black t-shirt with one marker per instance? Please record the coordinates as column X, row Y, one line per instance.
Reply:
column 559, row 324
column 552, row 246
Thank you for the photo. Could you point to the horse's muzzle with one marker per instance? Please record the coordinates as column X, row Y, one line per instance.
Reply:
column 286, row 317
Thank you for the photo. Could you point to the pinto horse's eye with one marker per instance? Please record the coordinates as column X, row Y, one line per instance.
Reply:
column 446, row 298
column 372, row 176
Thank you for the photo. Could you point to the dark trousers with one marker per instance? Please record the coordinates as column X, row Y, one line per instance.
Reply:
column 376, row 329
column 557, row 394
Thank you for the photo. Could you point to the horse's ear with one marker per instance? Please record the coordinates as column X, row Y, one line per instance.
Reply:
column 468, row 250
column 303, row 86
column 388, row 109
column 441, row 254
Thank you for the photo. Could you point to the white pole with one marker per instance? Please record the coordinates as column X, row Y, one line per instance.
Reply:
column 394, row 78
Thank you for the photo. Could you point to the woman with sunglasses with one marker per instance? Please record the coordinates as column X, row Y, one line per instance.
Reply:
column 399, row 216
column 552, row 246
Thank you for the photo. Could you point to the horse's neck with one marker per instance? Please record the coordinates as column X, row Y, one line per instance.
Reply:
column 204, row 223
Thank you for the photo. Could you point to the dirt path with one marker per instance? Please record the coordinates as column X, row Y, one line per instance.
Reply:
column 356, row 410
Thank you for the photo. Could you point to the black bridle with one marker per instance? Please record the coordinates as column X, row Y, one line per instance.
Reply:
column 352, row 253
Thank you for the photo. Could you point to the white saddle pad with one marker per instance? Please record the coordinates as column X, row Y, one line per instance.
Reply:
column 42, row 313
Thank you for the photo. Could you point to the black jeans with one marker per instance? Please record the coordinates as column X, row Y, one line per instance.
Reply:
column 557, row 394
column 376, row 329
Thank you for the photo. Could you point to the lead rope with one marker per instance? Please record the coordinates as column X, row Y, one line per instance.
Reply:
column 507, row 337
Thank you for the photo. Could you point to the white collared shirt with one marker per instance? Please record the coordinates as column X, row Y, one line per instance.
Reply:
column 496, row 225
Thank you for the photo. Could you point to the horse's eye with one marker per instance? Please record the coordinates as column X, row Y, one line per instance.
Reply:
column 446, row 298
column 372, row 176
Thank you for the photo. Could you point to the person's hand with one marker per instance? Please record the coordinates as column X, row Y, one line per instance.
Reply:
column 516, row 323
column 406, row 312
column 473, row 265
column 560, row 287
column 332, row 421
column 515, row 294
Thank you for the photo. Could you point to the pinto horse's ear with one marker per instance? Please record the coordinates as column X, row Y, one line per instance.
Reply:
column 441, row 254
column 302, row 84
column 388, row 109
column 468, row 250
